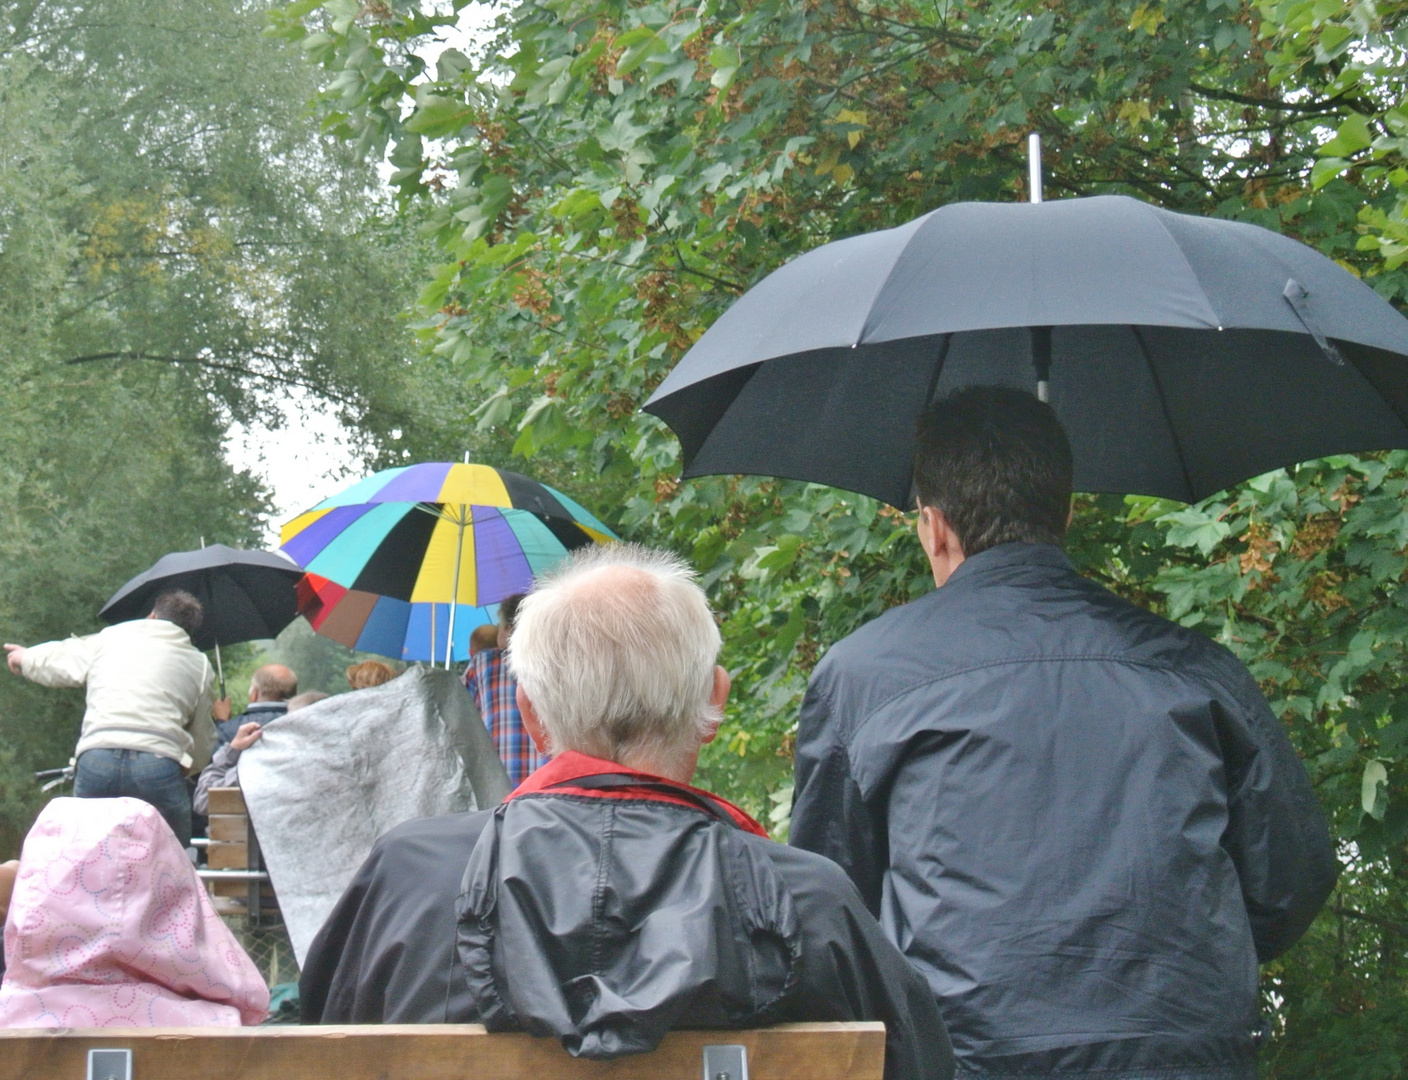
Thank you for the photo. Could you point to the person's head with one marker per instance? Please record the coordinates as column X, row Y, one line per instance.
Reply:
column 484, row 637
column 303, row 700
column 179, row 607
column 273, row 682
column 614, row 653
column 508, row 612
column 368, row 674
column 111, row 927
column 991, row 466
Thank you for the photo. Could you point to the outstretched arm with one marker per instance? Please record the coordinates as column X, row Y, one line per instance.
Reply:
column 55, row 663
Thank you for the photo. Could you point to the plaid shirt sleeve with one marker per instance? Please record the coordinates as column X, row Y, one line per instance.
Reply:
column 495, row 692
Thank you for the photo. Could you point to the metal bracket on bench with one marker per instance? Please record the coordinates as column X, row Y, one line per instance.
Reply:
column 109, row 1065
column 727, row 1061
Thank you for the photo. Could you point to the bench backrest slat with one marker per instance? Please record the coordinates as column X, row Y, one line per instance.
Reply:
column 433, row 1052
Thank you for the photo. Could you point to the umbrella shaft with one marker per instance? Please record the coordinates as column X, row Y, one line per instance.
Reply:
column 220, row 669
column 455, row 589
column 1034, row 166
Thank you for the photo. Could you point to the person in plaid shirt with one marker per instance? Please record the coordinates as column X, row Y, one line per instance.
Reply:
column 495, row 692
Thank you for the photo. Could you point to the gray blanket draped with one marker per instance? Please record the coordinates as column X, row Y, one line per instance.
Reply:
column 323, row 784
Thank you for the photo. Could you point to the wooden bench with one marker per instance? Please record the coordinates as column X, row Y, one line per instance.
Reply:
column 433, row 1052
column 235, row 870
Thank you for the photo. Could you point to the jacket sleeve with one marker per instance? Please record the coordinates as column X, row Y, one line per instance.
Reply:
column 830, row 815
column 851, row 971
column 1276, row 833
column 223, row 771
column 202, row 729
column 60, row 663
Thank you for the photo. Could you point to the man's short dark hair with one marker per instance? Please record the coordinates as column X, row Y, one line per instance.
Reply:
column 508, row 609
column 997, row 464
column 179, row 607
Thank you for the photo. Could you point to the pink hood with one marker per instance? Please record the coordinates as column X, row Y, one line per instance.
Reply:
column 110, row 927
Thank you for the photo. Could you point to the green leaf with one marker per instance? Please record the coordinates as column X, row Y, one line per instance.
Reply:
column 1353, row 135
column 1373, row 790
column 1196, row 529
column 495, row 411
column 725, row 60
column 783, row 555
column 495, row 193
column 539, row 406
column 437, row 117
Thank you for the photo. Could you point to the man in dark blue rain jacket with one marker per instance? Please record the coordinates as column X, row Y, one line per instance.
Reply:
column 1080, row 821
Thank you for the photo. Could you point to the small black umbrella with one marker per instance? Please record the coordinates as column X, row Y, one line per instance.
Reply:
column 246, row 595
column 1182, row 354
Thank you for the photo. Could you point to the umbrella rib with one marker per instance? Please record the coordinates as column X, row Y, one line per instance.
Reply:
column 934, row 377
column 435, row 510
column 938, row 370
column 1163, row 408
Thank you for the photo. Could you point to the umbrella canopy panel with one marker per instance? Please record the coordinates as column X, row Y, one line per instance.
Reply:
column 1185, row 352
column 246, row 595
column 383, row 625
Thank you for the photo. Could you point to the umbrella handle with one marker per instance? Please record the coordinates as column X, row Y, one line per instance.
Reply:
column 219, row 666
column 220, row 669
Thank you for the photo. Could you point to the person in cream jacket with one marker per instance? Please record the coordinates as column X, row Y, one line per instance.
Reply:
column 150, row 692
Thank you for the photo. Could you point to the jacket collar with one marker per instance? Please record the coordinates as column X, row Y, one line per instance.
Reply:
column 1005, row 556
column 555, row 778
column 267, row 706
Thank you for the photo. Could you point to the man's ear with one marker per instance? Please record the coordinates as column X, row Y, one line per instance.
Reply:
column 531, row 724
column 717, row 698
column 936, row 535
column 940, row 543
column 926, row 525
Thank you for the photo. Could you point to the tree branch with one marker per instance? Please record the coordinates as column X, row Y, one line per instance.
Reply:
column 1378, row 920
column 212, row 364
column 723, row 283
column 1309, row 107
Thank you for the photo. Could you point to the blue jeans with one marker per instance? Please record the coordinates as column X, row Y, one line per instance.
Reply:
column 111, row 774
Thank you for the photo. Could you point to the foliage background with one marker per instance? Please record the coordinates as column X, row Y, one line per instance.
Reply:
column 180, row 248
column 577, row 197
column 603, row 178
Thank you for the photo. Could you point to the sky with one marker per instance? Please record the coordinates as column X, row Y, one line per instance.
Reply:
column 303, row 460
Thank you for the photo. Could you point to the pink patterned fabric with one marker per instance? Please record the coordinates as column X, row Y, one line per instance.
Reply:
column 110, row 927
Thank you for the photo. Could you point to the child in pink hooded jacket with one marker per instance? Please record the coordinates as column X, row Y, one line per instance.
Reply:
column 110, row 927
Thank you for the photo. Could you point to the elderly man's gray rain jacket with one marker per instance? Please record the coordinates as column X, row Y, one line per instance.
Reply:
column 1079, row 820
column 603, row 908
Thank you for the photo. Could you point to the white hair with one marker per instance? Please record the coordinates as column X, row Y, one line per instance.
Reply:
column 616, row 650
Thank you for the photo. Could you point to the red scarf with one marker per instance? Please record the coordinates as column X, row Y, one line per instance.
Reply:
column 555, row 778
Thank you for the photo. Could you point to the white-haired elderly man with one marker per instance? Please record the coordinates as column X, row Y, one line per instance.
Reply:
column 607, row 901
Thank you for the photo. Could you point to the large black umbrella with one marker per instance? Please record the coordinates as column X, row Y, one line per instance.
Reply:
column 247, row 595
column 1182, row 354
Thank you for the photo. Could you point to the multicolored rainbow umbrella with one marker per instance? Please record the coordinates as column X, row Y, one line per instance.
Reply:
column 408, row 561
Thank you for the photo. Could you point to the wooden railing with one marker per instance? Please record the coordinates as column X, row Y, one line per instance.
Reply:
column 432, row 1052
column 234, row 867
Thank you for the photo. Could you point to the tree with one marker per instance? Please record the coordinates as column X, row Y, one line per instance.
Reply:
column 179, row 247
column 605, row 178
